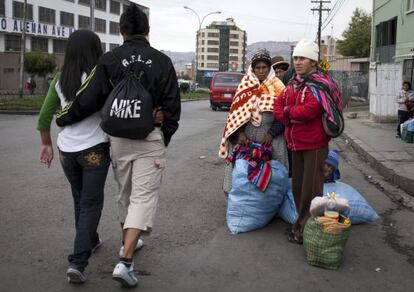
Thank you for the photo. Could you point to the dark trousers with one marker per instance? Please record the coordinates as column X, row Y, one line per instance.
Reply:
column 86, row 172
column 307, row 182
column 402, row 117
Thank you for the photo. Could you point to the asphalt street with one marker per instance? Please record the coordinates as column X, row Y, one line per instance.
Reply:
column 190, row 248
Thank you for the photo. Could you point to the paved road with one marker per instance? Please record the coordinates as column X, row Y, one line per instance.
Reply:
column 190, row 248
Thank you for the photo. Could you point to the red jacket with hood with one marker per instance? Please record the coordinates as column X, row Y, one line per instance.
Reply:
column 301, row 113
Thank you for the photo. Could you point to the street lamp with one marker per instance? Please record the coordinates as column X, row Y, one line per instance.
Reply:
column 200, row 22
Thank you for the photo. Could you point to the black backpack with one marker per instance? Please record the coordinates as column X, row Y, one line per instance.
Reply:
column 128, row 110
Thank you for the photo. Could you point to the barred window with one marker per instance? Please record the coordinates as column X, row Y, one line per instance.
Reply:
column 18, row 10
column 39, row 44
column 115, row 7
column 113, row 46
column 8, row 70
column 85, row 2
column 113, row 27
column 100, row 25
column 210, row 57
column 2, row 8
column 234, row 36
column 67, row 19
column 233, row 58
column 13, row 42
column 234, row 44
column 213, row 35
column 100, row 4
column 83, row 22
column 47, row 15
column 210, row 42
column 59, row 46
column 234, row 51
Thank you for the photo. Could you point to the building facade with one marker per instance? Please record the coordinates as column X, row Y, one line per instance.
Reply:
column 221, row 46
column 47, row 28
column 392, row 55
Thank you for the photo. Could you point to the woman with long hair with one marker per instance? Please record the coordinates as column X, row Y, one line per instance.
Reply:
column 83, row 148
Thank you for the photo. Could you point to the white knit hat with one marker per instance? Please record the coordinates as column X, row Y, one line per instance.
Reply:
column 307, row 49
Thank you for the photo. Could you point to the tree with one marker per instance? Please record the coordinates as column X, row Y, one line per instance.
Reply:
column 39, row 63
column 357, row 37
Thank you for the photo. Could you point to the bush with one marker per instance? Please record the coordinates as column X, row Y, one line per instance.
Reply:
column 184, row 87
column 39, row 63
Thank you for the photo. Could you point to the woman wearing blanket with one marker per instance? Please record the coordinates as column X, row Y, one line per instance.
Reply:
column 250, row 118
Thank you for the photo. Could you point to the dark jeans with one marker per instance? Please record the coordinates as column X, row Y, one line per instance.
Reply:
column 402, row 117
column 86, row 172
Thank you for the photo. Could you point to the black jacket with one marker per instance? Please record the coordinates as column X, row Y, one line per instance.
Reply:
column 159, row 79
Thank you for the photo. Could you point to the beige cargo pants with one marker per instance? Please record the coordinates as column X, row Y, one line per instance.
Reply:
column 138, row 167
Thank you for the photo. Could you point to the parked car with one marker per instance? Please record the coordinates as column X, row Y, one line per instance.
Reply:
column 223, row 86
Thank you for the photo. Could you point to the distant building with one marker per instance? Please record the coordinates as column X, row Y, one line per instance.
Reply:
column 221, row 47
column 392, row 55
column 328, row 48
column 48, row 26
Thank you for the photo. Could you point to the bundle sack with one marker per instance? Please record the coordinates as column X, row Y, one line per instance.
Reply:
column 250, row 208
column 360, row 210
column 287, row 211
column 407, row 131
column 323, row 249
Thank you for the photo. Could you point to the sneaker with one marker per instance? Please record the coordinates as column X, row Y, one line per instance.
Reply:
column 140, row 244
column 125, row 275
column 97, row 245
column 75, row 276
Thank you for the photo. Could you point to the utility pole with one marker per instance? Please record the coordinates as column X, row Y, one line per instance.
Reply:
column 92, row 16
column 320, row 9
column 23, row 48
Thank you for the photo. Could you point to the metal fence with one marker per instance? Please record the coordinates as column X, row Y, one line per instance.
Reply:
column 353, row 84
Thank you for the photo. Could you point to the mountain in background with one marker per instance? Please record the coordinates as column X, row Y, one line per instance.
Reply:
column 180, row 59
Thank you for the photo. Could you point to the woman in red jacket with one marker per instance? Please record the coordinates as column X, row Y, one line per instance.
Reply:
column 300, row 108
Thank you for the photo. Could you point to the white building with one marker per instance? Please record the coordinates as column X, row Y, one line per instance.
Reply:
column 221, row 47
column 48, row 25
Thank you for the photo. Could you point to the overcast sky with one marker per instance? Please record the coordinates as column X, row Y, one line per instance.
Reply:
column 174, row 28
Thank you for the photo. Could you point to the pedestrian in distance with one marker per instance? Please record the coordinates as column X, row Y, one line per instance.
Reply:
column 405, row 101
column 83, row 149
column 250, row 118
column 138, row 163
column 280, row 66
column 300, row 108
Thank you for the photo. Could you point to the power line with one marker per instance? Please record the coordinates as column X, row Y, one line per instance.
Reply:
column 320, row 9
column 333, row 13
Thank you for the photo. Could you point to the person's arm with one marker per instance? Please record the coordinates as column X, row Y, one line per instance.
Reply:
column 49, row 107
column 276, row 128
column 170, row 103
column 401, row 97
column 278, row 107
column 306, row 111
column 89, row 99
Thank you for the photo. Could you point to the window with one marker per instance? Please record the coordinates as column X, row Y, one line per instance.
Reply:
column 115, row 7
column 85, row 2
column 113, row 46
column 233, row 58
column 212, row 35
column 212, row 50
column 18, row 10
column 100, row 4
column 103, row 45
column 210, row 42
column 2, row 9
column 8, row 70
column 234, row 36
column 113, row 27
column 210, row 57
column 234, row 44
column 67, row 19
column 39, row 44
column 70, row 0
column 234, row 51
column 212, row 65
column 47, row 15
column 100, row 25
column 12, row 42
column 410, row 5
column 59, row 46
column 83, row 22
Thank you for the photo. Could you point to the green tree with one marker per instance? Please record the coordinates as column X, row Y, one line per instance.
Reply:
column 357, row 37
column 40, row 64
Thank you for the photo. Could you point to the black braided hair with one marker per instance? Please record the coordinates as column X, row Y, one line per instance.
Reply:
column 134, row 21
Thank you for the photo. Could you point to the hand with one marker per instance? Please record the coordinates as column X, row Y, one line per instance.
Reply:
column 267, row 140
column 242, row 139
column 158, row 116
column 46, row 155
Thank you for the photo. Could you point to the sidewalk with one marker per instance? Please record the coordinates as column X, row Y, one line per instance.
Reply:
column 377, row 144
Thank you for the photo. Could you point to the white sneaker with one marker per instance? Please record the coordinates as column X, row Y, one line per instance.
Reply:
column 140, row 244
column 125, row 275
column 75, row 276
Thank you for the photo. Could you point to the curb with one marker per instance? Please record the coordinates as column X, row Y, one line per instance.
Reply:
column 381, row 164
column 35, row 112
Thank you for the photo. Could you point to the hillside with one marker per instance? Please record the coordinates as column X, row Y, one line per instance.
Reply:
column 180, row 59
